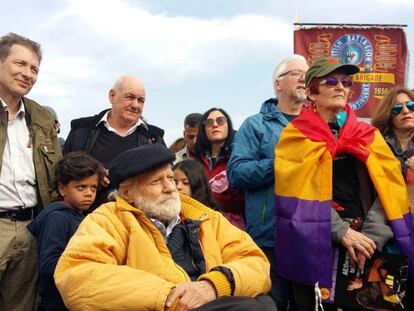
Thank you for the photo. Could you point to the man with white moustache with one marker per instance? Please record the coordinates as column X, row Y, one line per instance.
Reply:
column 154, row 250
column 252, row 160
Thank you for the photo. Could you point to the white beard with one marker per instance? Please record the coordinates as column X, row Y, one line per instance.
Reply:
column 300, row 95
column 165, row 208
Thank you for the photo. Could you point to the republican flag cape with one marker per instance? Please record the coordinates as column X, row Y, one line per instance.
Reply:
column 303, row 187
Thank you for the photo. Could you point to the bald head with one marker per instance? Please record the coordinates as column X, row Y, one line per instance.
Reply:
column 127, row 81
column 127, row 98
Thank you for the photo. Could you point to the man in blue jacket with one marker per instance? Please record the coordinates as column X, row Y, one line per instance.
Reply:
column 251, row 163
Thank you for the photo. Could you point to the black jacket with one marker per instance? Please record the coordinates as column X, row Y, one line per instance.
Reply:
column 396, row 149
column 84, row 135
column 53, row 228
column 84, row 132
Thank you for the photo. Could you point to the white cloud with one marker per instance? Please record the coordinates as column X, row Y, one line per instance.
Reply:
column 208, row 53
column 59, row 73
column 183, row 45
column 394, row 2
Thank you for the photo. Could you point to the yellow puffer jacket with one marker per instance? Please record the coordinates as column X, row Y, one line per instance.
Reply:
column 118, row 260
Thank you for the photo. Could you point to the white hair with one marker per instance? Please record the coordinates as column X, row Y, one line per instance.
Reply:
column 164, row 208
column 119, row 84
column 280, row 68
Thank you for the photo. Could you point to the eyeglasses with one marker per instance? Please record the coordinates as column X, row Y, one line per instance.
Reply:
column 398, row 107
column 293, row 73
column 333, row 81
column 219, row 120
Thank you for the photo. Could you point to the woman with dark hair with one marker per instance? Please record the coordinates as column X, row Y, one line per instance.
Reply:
column 394, row 117
column 212, row 150
column 191, row 180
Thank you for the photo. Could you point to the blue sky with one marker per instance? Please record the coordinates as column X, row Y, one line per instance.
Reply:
column 190, row 55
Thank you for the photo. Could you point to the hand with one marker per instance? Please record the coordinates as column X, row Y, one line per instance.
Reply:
column 360, row 260
column 410, row 162
column 355, row 241
column 192, row 295
column 105, row 181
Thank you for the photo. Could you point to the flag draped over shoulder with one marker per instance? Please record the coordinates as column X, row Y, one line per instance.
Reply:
column 303, row 187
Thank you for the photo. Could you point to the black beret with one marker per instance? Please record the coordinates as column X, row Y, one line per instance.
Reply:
column 138, row 160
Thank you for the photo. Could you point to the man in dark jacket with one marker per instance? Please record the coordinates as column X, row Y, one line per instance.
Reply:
column 114, row 130
column 29, row 150
column 251, row 163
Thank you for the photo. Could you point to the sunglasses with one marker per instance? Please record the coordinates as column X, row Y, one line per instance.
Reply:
column 398, row 107
column 219, row 120
column 333, row 81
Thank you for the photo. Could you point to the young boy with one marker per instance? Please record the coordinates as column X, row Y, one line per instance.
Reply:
column 77, row 176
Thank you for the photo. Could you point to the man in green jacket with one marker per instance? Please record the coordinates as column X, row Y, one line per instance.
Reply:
column 29, row 150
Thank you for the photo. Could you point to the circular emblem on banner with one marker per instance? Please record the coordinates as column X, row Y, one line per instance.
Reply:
column 325, row 293
column 356, row 50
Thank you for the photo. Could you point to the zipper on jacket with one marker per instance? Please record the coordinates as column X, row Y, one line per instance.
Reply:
column 193, row 231
column 264, row 210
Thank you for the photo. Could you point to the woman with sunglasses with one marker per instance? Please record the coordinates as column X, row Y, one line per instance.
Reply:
column 394, row 117
column 337, row 183
column 212, row 150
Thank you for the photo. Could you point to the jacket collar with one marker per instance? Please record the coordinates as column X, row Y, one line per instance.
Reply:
column 393, row 142
column 193, row 209
column 104, row 120
column 271, row 111
column 36, row 114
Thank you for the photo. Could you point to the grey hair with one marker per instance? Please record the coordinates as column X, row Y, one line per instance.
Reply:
column 281, row 67
column 8, row 40
column 112, row 195
column 127, row 183
column 119, row 84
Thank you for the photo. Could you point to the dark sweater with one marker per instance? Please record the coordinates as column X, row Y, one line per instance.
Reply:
column 108, row 145
column 104, row 145
column 84, row 133
column 53, row 228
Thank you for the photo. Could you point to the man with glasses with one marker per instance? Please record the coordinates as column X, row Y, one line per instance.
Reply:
column 251, row 164
column 114, row 130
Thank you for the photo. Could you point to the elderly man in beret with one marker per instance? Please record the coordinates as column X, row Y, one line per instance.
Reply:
column 154, row 250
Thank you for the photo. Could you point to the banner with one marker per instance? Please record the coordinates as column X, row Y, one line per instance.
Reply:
column 380, row 53
column 381, row 285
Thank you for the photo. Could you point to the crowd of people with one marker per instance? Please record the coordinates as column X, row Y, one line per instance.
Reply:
column 112, row 219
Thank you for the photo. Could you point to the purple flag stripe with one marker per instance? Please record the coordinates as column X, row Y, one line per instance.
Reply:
column 404, row 235
column 303, row 240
